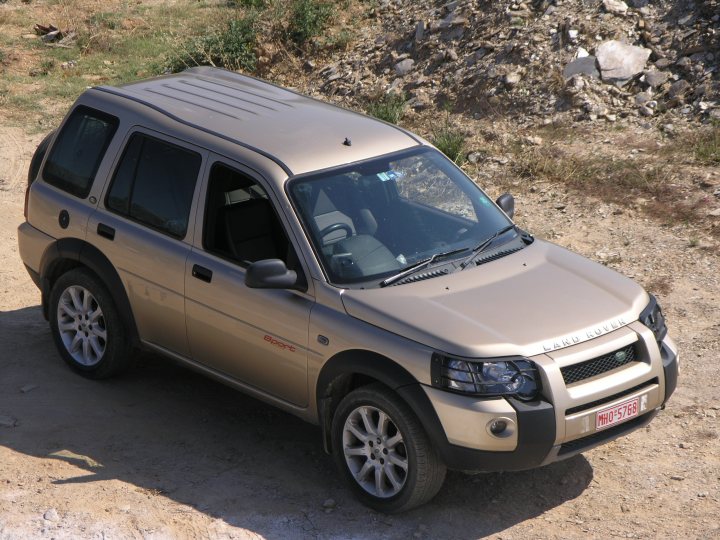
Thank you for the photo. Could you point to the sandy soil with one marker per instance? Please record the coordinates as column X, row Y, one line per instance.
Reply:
column 165, row 453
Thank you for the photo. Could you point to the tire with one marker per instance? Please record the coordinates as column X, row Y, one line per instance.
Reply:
column 86, row 326
column 38, row 156
column 410, row 469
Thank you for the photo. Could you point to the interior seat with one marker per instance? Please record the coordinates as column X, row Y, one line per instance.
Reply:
column 362, row 255
column 250, row 230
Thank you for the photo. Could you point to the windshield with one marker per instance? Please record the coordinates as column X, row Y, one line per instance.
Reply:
column 373, row 219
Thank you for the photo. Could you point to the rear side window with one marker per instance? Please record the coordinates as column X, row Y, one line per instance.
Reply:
column 154, row 184
column 78, row 150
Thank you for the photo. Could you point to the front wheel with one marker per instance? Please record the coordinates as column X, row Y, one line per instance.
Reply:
column 383, row 451
column 86, row 326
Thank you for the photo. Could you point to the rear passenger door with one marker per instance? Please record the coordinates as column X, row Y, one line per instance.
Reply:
column 143, row 224
column 256, row 336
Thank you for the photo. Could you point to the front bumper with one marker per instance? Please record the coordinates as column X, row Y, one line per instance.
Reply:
column 541, row 432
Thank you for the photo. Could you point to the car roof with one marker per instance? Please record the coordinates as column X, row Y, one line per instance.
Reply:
column 299, row 133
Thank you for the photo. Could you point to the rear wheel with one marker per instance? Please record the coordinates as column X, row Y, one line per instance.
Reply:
column 86, row 326
column 383, row 451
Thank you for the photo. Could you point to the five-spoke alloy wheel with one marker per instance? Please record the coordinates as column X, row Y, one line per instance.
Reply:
column 383, row 451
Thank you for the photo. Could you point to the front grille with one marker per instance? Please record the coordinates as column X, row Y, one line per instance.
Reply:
column 601, row 364
column 608, row 399
column 583, row 443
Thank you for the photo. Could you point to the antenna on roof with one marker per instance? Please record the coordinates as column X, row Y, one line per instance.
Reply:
column 347, row 142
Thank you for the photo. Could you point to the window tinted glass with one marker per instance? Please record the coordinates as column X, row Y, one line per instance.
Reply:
column 78, row 150
column 119, row 195
column 154, row 184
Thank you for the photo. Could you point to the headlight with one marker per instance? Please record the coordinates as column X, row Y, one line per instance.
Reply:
column 652, row 317
column 508, row 376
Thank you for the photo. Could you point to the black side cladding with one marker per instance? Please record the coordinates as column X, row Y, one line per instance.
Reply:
column 670, row 366
column 76, row 250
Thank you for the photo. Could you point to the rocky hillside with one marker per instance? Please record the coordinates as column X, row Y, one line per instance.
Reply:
column 535, row 60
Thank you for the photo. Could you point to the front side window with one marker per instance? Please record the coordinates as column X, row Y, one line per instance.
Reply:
column 240, row 222
column 154, row 184
column 376, row 218
column 78, row 150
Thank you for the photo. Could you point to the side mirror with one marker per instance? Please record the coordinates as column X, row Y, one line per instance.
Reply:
column 507, row 203
column 270, row 274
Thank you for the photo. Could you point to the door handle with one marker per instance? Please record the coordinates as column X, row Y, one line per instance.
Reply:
column 202, row 273
column 105, row 231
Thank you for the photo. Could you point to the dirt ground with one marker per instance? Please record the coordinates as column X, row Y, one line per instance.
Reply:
column 165, row 453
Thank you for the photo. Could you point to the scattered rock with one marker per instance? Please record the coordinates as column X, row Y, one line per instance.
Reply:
column 678, row 89
column 403, row 67
column 656, row 78
column 620, row 62
column 474, row 157
column 419, row 31
column 471, row 53
column 616, row 7
column 512, row 79
column 329, row 504
column 28, row 388
column 51, row 515
column 677, row 477
column 713, row 213
column 583, row 65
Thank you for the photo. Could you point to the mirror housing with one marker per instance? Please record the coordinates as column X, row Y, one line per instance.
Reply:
column 507, row 203
column 270, row 274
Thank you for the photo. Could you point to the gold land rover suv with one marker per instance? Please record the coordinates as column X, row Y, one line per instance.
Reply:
column 340, row 268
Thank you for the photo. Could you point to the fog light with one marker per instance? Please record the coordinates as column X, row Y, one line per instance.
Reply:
column 498, row 426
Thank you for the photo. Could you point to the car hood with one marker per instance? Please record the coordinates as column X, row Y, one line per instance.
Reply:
column 536, row 300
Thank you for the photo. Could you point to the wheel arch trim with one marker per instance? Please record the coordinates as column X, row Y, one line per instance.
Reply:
column 382, row 369
column 82, row 253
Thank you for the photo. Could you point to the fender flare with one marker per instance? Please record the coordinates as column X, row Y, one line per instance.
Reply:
column 84, row 254
column 383, row 370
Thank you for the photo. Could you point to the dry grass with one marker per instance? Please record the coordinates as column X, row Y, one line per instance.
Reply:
column 644, row 181
column 706, row 145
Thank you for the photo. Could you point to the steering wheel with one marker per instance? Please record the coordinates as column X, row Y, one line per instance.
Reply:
column 337, row 227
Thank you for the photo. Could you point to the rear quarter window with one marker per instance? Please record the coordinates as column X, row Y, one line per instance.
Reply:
column 78, row 150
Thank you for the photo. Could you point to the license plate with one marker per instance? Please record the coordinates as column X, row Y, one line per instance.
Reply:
column 617, row 414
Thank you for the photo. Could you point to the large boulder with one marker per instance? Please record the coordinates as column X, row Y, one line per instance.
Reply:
column 620, row 62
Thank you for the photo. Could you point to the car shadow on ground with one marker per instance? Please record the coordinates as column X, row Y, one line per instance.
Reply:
column 178, row 435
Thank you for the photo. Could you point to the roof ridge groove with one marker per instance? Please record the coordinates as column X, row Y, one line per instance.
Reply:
column 201, row 96
column 151, row 91
column 212, row 81
column 227, row 94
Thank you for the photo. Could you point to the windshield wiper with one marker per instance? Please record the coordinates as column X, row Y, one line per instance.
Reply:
column 482, row 246
column 418, row 266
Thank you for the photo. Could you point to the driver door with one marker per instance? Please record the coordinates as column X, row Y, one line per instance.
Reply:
column 258, row 337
